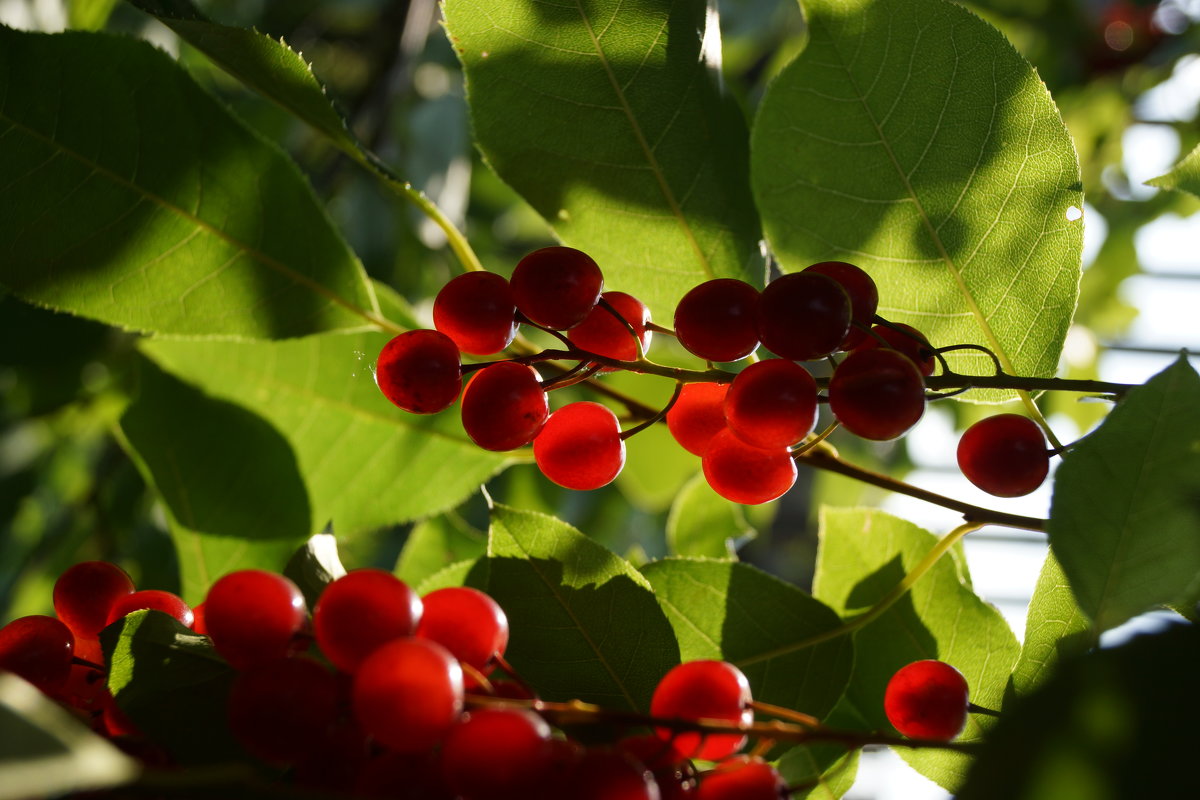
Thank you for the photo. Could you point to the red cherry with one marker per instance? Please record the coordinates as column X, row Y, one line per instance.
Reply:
column 603, row 334
column 39, row 649
column 166, row 602
column 698, row 415
column 772, row 404
column 420, row 371
column 803, row 316
column 556, row 287
column 468, row 623
column 877, row 394
column 907, row 340
column 743, row 778
column 85, row 592
column 498, row 753
column 580, row 446
column 718, row 320
column 476, row 310
column 252, row 615
column 360, row 612
column 747, row 474
column 1005, row 455
column 927, row 700
column 280, row 709
column 703, row 689
column 408, row 693
column 504, row 406
column 863, row 294
column 607, row 774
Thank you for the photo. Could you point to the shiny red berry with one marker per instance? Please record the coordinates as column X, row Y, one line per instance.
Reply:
column 747, row 474
column 504, row 406
column 476, row 310
column 1005, row 455
column 420, row 371
column 877, row 394
column 498, row 754
column 407, row 694
column 360, row 612
column 743, row 778
column 557, row 287
column 772, row 404
column 698, row 415
column 85, row 592
column 907, row 340
column 580, row 446
column 718, row 320
column 703, row 689
column 602, row 333
column 927, row 700
column 39, row 649
column 252, row 616
column 280, row 710
column 863, row 294
column 467, row 622
column 803, row 316
column 166, row 602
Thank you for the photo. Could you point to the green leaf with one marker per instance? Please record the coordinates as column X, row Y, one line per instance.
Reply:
column 819, row 772
column 45, row 751
column 472, row 572
column 706, row 525
column 90, row 15
column 784, row 640
column 230, row 481
column 365, row 462
column 608, row 118
column 436, row 543
column 1185, row 177
column 1116, row 723
column 173, row 686
column 1055, row 627
column 910, row 138
column 1126, row 506
column 863, row 556
column 133, row 197
column 585, row 624
column 268, row 66
column 314, row 566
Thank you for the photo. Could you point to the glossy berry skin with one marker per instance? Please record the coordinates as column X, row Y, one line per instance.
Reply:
column 927, row 700
column 476, row 310
column 907, row 340
column 166, row 602
column 803, row 316
column 496, row 753
column 747, row 474
column 863, row 294
column 39, row 649
column 504, row 406
column 580, row 446
column 557, row 287
column 407, row 694
column 279, row 710
column 703, row 689
column 420, row 371
column 252, row 616
column 772, row 404
column 877, row 394
column 673, row 771
column 603, row 334
column 698, row 415
column 468, row 623
column 718, row 320
column 743, row 778
column 85, row 592
column 1005, row 455
column 609, row 774
column 360, row 612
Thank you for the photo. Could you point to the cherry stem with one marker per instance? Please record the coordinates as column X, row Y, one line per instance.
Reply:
column 659, row 416
column 83, row 662
column 637, row 340
column 974, row 709
column 782, row 712
column 512, row 673
column 820, row 437
column 478, row 677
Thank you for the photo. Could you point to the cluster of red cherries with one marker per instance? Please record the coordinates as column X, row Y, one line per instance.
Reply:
column 748, row 428
column 383, row 693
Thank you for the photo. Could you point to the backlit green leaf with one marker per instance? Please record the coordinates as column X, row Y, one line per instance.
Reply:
column 436, row 543
column 702, row 523
column 910, row 137
column 1054, row 628
column 608, row 118
column 1185, row 177
column 1125, row 515
column 132, row 196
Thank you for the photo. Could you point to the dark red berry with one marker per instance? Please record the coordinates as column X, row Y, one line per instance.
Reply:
column 1004, row 455
column 747, row 474
column 281, row 709
column 703, row 689
column 580, row 446
column 420, row 371
column 252, row 616
column 772, row 404
column 605, row 335
column 468, row 623
column 557, row 287
column 864, row 296
column 803, row 316
column 698, row 415
column 673, row 771
column 408, row 693
column 166, row 602
column 504, row 406
column 907, row 340
column 39, row 649
column 718, row 320
column 607, row 774
column 927, row 700
column 743, row 778
column 85, row 592
column 476, row 310
column 496, row 753
column 403, row 776
column 877, row 394
column 360, row 612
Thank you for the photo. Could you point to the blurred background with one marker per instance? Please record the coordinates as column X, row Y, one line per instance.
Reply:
column 1125, row 74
